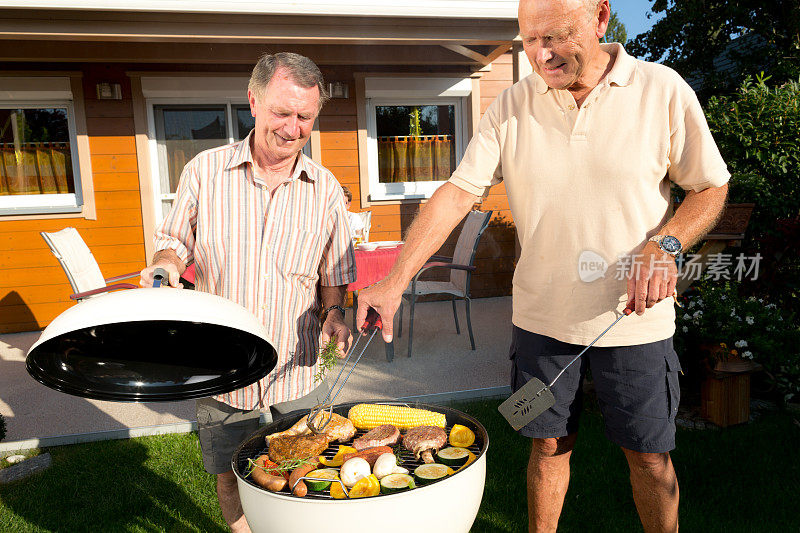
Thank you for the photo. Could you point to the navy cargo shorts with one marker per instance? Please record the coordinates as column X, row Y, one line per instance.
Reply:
column 637, row 388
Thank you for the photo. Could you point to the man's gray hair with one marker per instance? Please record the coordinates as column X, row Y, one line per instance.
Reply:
column 301, row 70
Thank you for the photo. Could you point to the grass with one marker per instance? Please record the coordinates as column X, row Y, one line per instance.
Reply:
column 743, row 478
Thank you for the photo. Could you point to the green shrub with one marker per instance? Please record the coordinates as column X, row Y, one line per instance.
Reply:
column 756, row 129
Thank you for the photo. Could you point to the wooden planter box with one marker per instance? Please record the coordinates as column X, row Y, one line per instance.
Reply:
column 725, row 397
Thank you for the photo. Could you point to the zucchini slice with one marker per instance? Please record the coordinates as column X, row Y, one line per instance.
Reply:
column 431, row 472
column 324, row 475
column 396, row 483
column 453, row 456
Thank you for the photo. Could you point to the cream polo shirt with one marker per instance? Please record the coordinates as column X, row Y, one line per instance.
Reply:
column 591, row 185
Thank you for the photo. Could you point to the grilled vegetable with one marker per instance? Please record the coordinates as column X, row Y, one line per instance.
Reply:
column 338, row 459
column 461, row 436
column 366, row 487
column 325, row 476
column 337, row 492
column 385, row 465
column 396, row 483
column 353, row 470
column 370, row 416
column 452, row 456
column 429, row 473
column 470, row 459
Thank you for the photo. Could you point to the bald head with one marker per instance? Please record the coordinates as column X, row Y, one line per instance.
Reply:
column 562, row 40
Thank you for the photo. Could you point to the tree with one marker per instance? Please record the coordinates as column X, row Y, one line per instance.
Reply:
column 693, row 33
column 616, row 32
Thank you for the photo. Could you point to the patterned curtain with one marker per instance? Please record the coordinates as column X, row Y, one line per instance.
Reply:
column 36, row 168
column 415, row 158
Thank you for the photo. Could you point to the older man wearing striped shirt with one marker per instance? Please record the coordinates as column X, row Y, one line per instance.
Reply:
column 267, row 228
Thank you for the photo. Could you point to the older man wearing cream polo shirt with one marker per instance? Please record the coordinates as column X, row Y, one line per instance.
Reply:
column 587, row 146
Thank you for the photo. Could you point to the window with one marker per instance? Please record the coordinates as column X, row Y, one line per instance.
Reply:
column 184, row 130
column 39, row 171
column 415, row 129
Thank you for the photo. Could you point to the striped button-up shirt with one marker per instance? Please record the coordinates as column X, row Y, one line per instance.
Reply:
column 265, row 253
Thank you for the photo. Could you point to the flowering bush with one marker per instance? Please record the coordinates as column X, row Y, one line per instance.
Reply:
column 749, row 328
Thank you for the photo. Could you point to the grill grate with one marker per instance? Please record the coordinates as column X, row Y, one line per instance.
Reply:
column 256, row 445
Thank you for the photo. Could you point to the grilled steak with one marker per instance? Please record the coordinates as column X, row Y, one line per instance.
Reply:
column 423, row 440
column 340, row 429
column 296, row 447
column 385, row 435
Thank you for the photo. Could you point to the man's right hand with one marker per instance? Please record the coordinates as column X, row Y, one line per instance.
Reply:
column 385, row 299
column 169, row 261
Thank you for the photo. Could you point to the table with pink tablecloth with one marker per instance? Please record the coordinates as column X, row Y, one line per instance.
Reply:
column 371, row 267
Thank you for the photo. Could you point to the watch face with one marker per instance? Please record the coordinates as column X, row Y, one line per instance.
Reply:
column 671, row 244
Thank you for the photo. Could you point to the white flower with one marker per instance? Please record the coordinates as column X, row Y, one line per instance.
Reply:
column 723, row 297
column 700, row 302
column 771, row 306
column 686, row 316
column 741, row 344
column 749, row 320
column 697, row 314
column 751, row 299
column 685, row 329
column 761, row 300
column 748, row 354
column 733, row 312
column 691, row 304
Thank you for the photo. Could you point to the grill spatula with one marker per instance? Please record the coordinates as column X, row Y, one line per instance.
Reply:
column 534, row 398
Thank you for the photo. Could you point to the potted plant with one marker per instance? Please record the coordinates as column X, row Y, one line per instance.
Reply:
column 734, row 337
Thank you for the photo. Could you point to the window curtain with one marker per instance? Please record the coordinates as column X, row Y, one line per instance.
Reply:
column 415, row 158
column 36, row 168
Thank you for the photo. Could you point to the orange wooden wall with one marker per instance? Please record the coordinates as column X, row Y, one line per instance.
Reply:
column 33, row 286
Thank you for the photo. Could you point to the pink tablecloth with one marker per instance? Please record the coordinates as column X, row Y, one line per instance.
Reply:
column 372, row 266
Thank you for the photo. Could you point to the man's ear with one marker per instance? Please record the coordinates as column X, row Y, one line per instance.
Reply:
column 251, row 98
column 603, row 17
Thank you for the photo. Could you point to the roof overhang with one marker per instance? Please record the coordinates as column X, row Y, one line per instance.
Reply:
column 61, row 32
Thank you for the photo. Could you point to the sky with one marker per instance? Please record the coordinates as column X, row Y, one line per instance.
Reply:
column 633, row 14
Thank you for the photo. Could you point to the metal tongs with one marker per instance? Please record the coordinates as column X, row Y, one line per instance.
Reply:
column 372, row 323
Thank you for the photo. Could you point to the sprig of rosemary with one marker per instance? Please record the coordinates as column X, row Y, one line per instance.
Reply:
column 328, row 356
column 284, row 466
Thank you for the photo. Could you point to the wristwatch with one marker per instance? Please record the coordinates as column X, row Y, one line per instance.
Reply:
column 329, row 309
column 668, row 244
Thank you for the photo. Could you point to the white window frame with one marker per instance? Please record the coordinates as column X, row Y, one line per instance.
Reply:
column 40, row 204
column 412, row 91
column 156, row 170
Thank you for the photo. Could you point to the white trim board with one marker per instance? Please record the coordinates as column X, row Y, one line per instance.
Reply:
column 477, row 9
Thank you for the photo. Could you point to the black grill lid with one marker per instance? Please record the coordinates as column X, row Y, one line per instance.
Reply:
column 152, row 345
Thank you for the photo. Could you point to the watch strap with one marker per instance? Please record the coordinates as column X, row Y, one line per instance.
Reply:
column 338, row 307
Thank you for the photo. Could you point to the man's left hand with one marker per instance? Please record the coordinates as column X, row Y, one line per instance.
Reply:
column 653, row 278
column 334, row 326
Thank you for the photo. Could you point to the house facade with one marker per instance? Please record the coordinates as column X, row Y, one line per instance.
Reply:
column 103, row 102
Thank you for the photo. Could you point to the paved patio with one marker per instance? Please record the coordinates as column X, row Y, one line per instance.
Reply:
column 442, row 368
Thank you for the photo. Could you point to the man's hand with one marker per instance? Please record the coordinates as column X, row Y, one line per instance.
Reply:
column 385, row 299
column 653, row 278
column 334, row 326
column 169, row 261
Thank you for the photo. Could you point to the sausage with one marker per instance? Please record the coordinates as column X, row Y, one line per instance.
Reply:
column 270, row 482
column 370, row 454
column 300, row 489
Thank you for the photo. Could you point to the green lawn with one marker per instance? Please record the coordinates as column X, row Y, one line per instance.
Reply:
column 741, row 479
